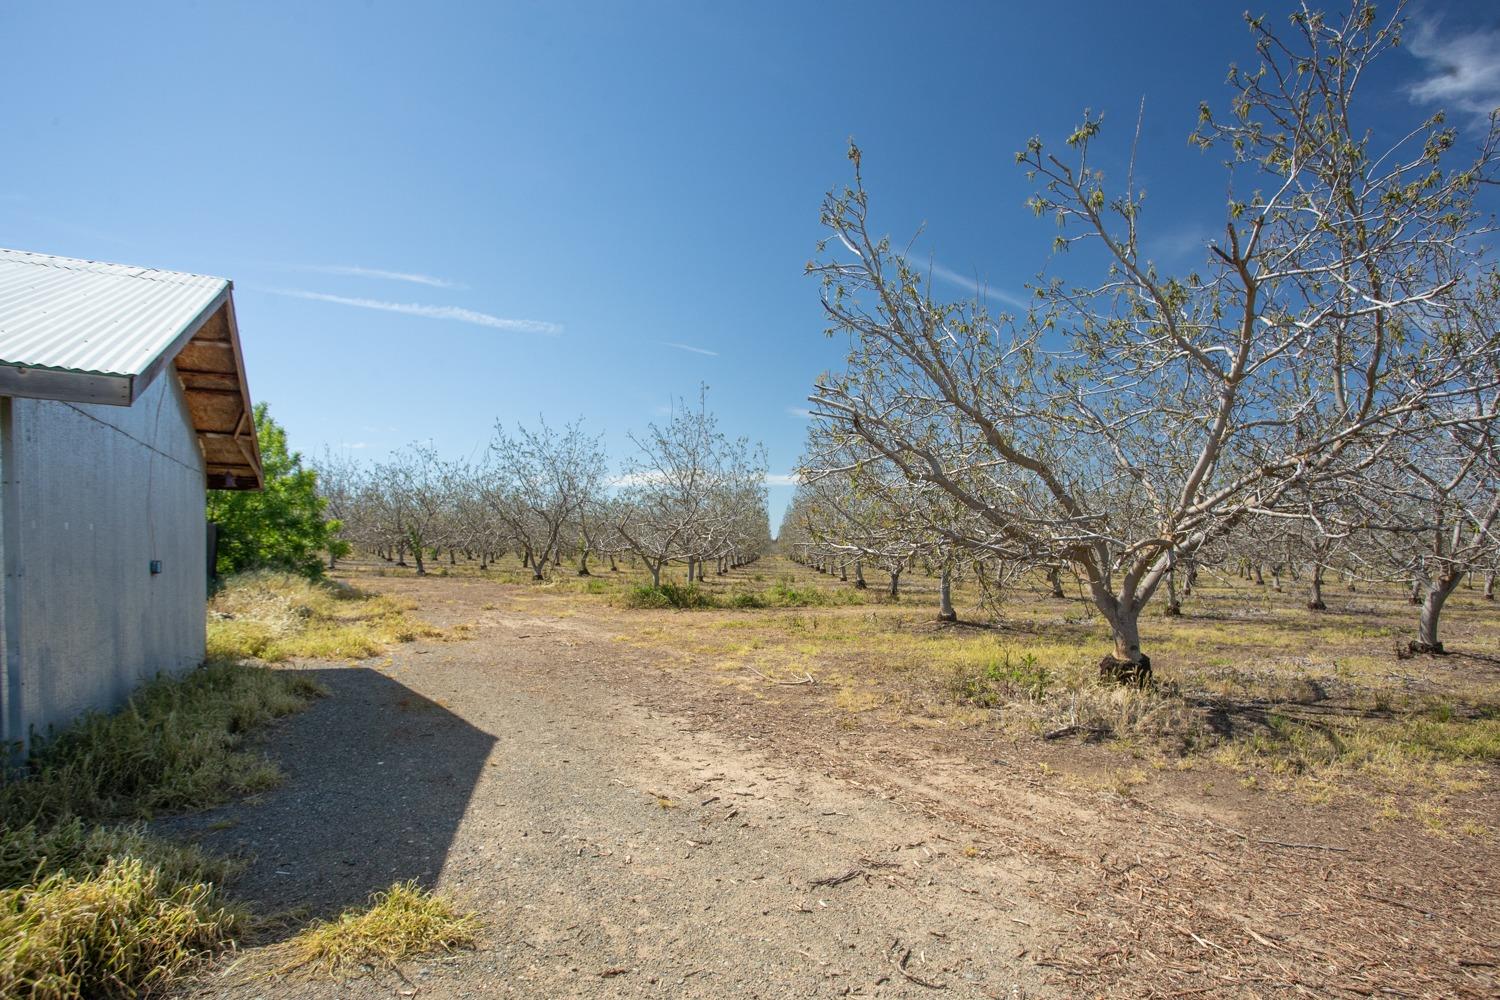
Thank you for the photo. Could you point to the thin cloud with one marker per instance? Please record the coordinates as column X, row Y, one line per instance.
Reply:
column 354, row 444
column 800, row 412
column 1461, row 68
column 782, row 479
column 689, row 347
column 430, row 312
column 974, row 287
column 383, row 275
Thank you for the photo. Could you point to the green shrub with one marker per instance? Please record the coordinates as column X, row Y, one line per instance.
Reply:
column 786, row 594
column 670, row 595
column 1002, row 681
column 746, row 599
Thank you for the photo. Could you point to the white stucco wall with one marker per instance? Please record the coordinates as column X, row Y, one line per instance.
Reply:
column 92, row 494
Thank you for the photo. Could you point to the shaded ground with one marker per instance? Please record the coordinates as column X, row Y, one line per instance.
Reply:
column 629, row 823
column 612, row 849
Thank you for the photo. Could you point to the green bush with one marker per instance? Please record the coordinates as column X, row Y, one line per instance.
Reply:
column 1002, row 681
column 786, row 594
column 746, row 599
column 670, row 595
column 281, row 526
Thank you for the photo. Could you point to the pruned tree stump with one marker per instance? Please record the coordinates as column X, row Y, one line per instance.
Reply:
column 1174, row 610
column 1136, row 673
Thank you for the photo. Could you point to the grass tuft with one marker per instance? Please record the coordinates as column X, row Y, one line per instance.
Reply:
column 670, row 595
column 273, row 616
column 89, row 910
column 176, row 745
column 125, row 930
column 405, row 921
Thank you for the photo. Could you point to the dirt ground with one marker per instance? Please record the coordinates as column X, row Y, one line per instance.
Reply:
column 627, row 827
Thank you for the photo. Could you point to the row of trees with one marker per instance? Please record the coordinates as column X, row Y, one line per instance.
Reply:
column 1326, row 383
column 689, row 495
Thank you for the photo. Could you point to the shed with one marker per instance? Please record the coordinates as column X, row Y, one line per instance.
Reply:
column 122, row 399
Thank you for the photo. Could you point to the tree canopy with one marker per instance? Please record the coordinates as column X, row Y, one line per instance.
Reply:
column 282, row 526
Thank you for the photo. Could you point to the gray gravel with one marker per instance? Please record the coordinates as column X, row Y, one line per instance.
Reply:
column 610, row 850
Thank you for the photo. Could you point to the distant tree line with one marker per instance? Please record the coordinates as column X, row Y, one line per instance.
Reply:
column 689, row 495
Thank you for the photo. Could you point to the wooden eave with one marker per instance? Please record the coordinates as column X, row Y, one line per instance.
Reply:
column 211, row 370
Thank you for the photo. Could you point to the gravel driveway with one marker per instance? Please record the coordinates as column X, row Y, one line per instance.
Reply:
column 610, row 848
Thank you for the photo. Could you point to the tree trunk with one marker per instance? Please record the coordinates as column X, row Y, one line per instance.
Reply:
column 1054, row 577
column 1260, row 581
column 655, row 574
column 1127, row 665
column 526, row 557
column 945, row 597
column 416, row 550
column 401, row 554
column 1489, row 586
column 844, row 572
column 1315, row 601
column 1432, row 608
column 583, row 563
column 895, row 584
column 1416, row 592
column 859, row 575
column 1174, row 606
column 613, row 568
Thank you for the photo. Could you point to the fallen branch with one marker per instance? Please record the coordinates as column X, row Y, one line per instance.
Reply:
column 1305, row 847
column 900, row 964
column 833, row 880
column 1066, row 731
column 807, row 678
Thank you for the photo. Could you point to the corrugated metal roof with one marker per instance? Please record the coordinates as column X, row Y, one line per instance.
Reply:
column 63, row 314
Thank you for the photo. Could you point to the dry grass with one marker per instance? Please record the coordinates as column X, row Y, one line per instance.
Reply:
column 127, row 929
column 91, row 910
column 403, row 922
column 274, row 616
column 177, row 744
column 1350, row 712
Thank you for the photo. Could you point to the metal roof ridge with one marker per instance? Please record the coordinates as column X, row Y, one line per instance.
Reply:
column 38, row 259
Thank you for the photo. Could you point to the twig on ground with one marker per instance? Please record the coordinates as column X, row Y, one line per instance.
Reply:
column 900, row 965
column 1305, row 847
column 807, row 678
column 1066, row 731
column 833, row 880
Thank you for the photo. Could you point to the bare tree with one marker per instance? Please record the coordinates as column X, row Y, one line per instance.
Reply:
column 544, row 480
column 1122, row 426
column 684, row 495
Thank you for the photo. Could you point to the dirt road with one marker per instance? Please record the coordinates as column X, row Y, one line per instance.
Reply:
column 612, row 849
column 629, row 827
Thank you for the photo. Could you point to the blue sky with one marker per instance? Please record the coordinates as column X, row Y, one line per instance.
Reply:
column 437, row 215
